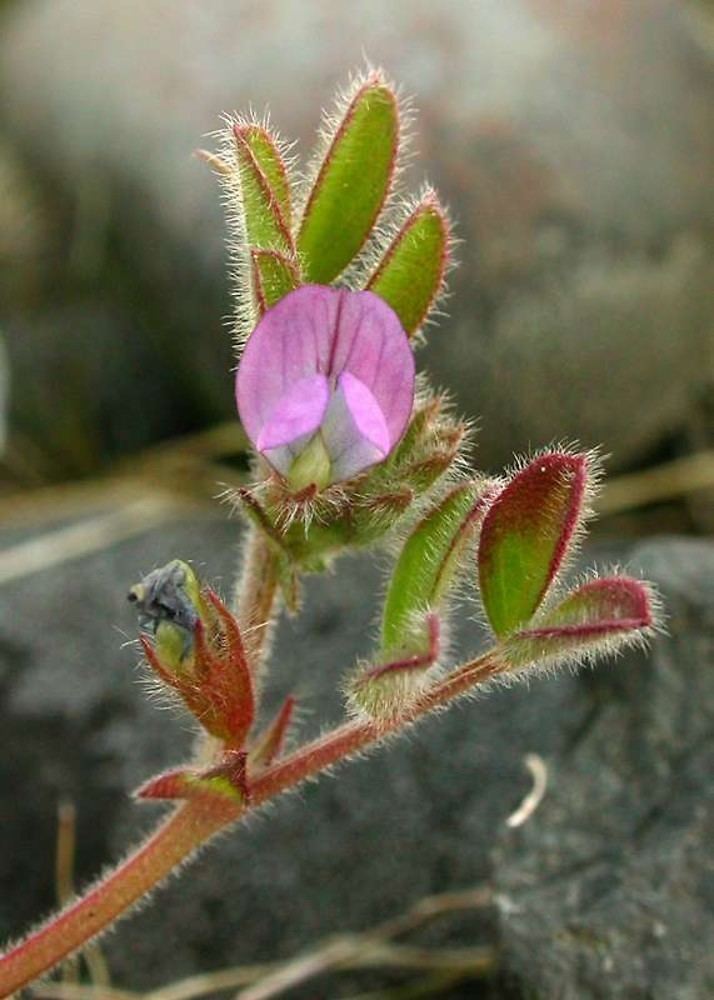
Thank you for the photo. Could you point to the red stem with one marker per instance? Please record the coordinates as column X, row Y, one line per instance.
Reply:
column 171, row 843
column 196, row 822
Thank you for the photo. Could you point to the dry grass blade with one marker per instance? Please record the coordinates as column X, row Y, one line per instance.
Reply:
column 64, row 885
column 90, row 535
column 64, row 871
column 332, row 955
column 73, row 991
column 366, row 952
column 680, row 477
column 372, row 949
column 427, row 986
column 211, row 982
column 432, row 907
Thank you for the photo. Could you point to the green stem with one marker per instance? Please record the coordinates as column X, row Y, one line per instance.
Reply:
column 196, row 822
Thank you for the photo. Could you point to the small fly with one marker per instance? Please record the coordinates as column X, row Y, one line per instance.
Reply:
column 163, row 596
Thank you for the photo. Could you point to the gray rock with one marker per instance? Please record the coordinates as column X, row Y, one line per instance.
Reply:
column 573, row 143
column 421, row 817
column 606, row 893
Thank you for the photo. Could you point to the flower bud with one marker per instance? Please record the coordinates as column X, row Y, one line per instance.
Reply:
column 198, row 650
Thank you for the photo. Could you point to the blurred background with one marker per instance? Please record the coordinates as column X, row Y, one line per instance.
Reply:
column 573, row 141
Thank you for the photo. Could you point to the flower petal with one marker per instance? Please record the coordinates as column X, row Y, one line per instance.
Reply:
column 298, row 412
column 371, row 344
column 365, row 411
column 354, row 429
column 291, row 342
column 319, row 330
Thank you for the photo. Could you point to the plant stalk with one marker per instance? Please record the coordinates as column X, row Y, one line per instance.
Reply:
column 189, row 826
column 195, row 823
column 256, row 595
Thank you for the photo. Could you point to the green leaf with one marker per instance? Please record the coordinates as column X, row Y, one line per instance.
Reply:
column 266, row 154
column 601, row 616
column 265, row 224
column 526, row 536
column 428, row 564
column 274, row 275
column 410, row 276
column 352, row 182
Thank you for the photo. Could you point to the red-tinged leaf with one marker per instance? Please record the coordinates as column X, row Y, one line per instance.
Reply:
column 410, row 276
column 601, row 616
column 385, row 690
column 264, row 147
column 232, row 638
column 274, row 276
column 425, row 658
column 218, row 690
column 270, row 744
column 187, row 784
column 225, row 698
column 265, row 223
column 170, row 785
column 430, row 562
column 206, row 659
column 527, row 536
column 352, row 181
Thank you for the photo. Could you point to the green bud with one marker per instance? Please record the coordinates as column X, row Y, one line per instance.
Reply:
column 169, row 602
column 312, row 467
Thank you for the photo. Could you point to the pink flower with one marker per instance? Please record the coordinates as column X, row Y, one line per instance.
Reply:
column 325, row 386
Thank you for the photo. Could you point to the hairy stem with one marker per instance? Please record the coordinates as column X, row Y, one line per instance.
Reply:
column 196, row 822
column 256, row 594
column 177, row 838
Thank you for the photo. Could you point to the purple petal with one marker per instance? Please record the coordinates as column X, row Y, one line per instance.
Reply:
column 354, row 430
column 298, row 413
column 371, row 344
column 291, row 342
column 365, row 411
